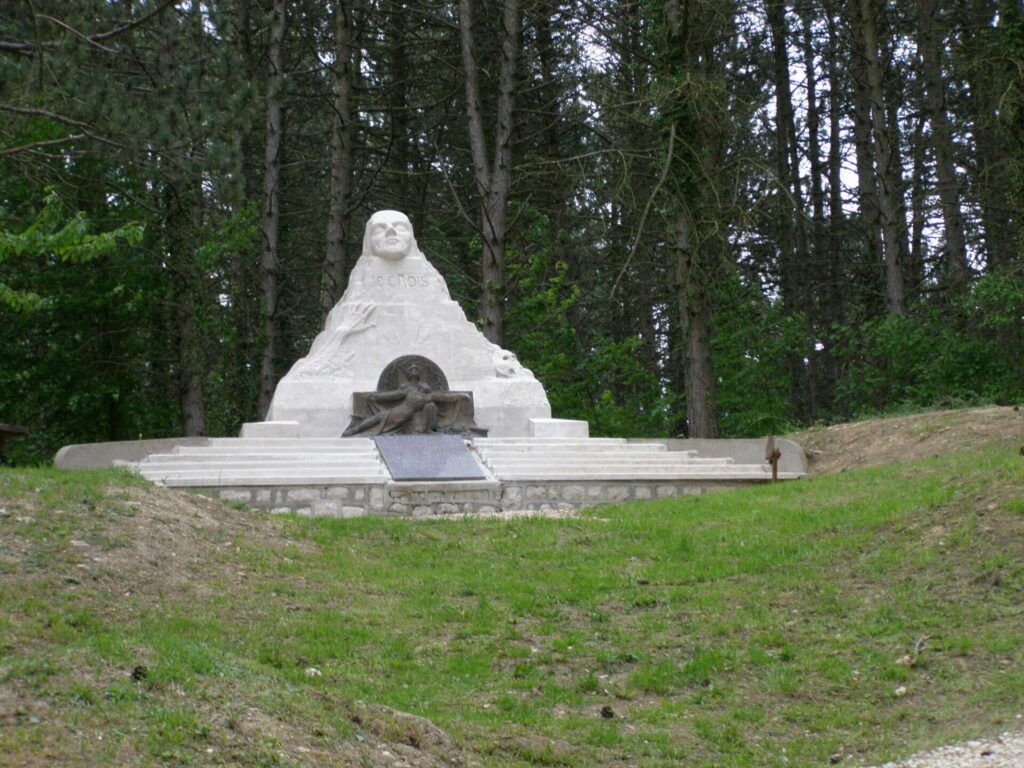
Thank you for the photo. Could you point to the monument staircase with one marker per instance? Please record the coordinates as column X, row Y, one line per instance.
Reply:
column 231, row 461
column 348, row 476
column 597, row 459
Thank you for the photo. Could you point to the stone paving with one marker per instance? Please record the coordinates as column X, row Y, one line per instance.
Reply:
column 1003, row 751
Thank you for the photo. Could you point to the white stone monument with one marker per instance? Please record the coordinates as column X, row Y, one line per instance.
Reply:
column 397, row 304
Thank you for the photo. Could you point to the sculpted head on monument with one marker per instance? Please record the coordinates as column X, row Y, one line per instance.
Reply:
column 389, row 236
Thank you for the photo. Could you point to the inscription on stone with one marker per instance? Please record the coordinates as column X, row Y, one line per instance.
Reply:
column 428, row 457
column 399, row 280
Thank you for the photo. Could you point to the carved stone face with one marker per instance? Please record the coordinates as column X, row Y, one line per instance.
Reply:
column 390, row 234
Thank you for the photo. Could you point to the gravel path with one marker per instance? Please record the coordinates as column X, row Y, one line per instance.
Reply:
column 1003, row 751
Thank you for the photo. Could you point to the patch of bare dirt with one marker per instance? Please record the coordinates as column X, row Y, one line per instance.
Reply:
column 386, row 738
column 905, row 438
column 409, row 735
column 179, row 541
column 151, row 539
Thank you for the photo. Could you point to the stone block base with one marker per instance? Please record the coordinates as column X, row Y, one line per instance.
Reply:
column 313, row 501
column 559, row 428
column 422, row 499
column 271, row 429
column 549, row 495
column 419, row 499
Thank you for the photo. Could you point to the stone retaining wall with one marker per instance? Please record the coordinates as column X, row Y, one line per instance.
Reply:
column 421, row 499
column 318, row 501
column 545, row 495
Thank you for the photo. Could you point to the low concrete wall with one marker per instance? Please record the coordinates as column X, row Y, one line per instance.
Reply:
column 743, row 451
column 97, row 455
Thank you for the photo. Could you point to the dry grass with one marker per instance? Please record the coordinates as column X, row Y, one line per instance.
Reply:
column 876, row 442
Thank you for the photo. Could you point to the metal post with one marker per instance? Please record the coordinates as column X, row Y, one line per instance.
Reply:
column 772, row 456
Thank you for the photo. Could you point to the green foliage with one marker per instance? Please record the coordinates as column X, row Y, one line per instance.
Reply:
column 596, row 378
column 238, row 233
column 52, row 235
column 68, row 372
column 971, row 352
column 752, row 339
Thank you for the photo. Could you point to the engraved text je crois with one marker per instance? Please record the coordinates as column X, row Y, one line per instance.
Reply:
column 398, row 281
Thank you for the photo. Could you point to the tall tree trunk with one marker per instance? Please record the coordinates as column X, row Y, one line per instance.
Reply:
column 269, row 224
column 930, row 44
column 182, row 201
column 336, row 261
column 693, row 258
column 493, row 175
column 187, row 294
column 834, row 299
column 985, row 88
column 814, row 140
column 796, row 263
column 824, row 317
column 179, row 228
column 894, row 95
column 559, row 196
column 886, row 156
column 867, row 183
column 918, row 210
column 552, row 118
column 192, row 398
column 400, row 149
column 695, row 315
column 829, row 231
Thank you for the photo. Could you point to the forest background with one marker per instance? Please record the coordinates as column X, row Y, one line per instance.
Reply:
column 712, row 217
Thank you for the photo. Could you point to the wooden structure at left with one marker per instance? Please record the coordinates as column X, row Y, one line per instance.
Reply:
column 8, row 431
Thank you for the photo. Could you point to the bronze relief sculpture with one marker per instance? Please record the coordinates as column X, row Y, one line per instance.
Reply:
column 412, row 398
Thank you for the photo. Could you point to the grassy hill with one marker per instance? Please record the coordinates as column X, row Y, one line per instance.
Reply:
column 843, row 619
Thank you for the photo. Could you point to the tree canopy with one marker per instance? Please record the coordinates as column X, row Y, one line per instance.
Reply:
column 714, row 217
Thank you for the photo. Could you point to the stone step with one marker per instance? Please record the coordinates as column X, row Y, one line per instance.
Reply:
column 613, row 460
column 257, row 458
column 228, row 464
column 358, row 469
column 696, row 475
column 370, row 450
column 485, row 441
column 280, row 442
column 639, row 449
column 289, row 457
column 599, row 469
column 240, row 478
column 622, row 470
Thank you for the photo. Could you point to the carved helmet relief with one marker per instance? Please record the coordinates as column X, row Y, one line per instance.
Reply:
column 401, row 371
column 506, row 364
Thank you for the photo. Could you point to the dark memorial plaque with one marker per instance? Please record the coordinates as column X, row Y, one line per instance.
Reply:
column 428, row 457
